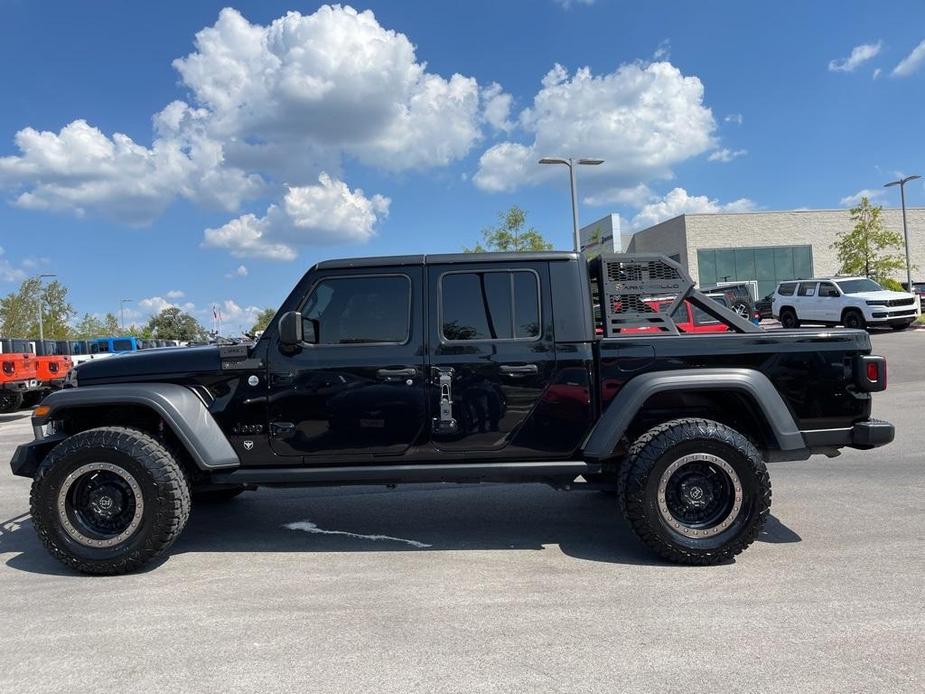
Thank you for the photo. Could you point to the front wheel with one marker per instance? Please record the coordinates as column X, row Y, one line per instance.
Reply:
column 788, row 319
column 109, row 500
column 695, row 491
column 901, row 326
column 855, row 320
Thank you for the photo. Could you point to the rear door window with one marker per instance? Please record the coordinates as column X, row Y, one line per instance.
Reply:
column 493, row 305
column 807, row 289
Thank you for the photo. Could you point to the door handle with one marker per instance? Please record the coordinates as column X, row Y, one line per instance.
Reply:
column 397, row 373
column 523, row 370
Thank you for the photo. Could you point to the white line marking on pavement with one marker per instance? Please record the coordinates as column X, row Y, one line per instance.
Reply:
column 309, row 527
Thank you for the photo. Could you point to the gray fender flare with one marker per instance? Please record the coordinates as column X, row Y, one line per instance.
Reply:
column 179, row 407
column 619, row 415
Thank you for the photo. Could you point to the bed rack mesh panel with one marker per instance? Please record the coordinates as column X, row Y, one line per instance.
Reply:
column 643, row 291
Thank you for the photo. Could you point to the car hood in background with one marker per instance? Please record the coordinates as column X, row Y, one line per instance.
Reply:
column 153, row 362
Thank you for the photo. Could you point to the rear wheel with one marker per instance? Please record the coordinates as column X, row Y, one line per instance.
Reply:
column 10, row 400
column 695, row 491
column 109, row 500
column 788, row 319
column 854, row 319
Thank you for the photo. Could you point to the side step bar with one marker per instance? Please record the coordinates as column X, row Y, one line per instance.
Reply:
column 394, row 474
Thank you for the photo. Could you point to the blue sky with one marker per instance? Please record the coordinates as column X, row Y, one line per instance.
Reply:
column 278, row 141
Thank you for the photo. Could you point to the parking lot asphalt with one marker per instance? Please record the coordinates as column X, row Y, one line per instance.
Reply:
column 494, row 588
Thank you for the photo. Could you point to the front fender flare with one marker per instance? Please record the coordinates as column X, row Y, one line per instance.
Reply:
column 179, row 407
column 611, row 427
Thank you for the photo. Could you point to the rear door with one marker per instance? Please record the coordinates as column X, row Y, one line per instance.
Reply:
column 807, row 302
column 492, row 356
column 358, row 389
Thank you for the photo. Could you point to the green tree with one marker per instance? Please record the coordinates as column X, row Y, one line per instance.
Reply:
column 865, row 249
column 89, row 326
column 263, row 320
column 173, row 324
column 19, row 310
column 509, row 235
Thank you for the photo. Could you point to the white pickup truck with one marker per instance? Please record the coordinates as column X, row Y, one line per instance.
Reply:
column 855, row 302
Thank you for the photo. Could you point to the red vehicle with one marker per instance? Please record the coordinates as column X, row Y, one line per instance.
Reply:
column 688, row 318
column 18, row 377
column 51, row 370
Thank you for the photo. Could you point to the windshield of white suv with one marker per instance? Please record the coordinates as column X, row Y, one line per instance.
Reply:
column 858, row 286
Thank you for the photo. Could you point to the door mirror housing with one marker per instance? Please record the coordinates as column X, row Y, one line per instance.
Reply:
column 290, row 329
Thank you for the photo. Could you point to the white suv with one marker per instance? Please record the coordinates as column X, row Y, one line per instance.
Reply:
column 854, row 302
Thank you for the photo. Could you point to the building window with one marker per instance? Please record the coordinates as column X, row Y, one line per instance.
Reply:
column 766, row 265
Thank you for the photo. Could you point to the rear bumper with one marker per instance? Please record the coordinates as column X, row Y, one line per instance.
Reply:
column 21, row 386
column 870, row 433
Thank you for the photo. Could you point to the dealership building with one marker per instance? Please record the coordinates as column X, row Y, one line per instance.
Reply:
column 760, row 247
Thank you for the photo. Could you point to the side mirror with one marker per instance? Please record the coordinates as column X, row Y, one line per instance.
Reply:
column 290, row 329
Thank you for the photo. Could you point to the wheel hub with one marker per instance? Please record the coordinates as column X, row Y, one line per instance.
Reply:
column 100, row 505
column 699, row 495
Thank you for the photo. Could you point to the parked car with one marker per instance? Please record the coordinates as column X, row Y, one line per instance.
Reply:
column 855, row 302
column 451, row 368
column 765, row 307
column 687, row 317
column 18, row 379
column 738, row 296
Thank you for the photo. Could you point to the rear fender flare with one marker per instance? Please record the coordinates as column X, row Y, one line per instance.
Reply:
column 611, row 427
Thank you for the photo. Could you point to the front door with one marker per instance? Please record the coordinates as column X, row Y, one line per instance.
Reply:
column 492, row 359
column 358, row 388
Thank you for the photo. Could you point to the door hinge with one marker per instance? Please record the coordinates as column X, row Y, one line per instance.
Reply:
column 444, row 423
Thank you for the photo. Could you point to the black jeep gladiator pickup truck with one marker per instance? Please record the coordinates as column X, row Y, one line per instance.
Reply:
column 526, row 367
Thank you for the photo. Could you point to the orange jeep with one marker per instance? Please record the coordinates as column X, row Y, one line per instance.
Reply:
column 17, row 378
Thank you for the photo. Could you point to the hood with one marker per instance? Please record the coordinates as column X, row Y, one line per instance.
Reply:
column 150, row 363
column 882, row 295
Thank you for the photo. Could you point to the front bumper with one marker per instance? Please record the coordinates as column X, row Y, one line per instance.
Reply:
column 28, row 456
column 870, row 433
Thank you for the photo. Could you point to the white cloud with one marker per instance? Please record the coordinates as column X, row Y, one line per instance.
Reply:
column 663, row 52
column 235, row 318
column 336, row 80
column 642, row 119
column 9, row 272
column 568, row 4
column 273, row 103
column 877, row 73
column 859, row 55
column 678, row 201
column 726, row 155
column 497, row 108
column 735, row 118
column 326, row 213
column 155, row 304
column 852, row 200
column 635, row 196
column 175, row 294
column 239, row 271
column 911, row 62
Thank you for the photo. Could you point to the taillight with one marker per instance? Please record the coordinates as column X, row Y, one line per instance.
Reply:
column 871, row 376
column 8, row 367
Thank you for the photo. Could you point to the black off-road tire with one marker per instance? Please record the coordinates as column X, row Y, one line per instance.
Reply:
column 788, row 319
column 854, row 319
column 32, row 398
column 649, row 458
column 217, row 496
column 10, row 400
column 161, row 484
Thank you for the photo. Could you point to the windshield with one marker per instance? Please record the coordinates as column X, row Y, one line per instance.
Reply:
column 858, row 286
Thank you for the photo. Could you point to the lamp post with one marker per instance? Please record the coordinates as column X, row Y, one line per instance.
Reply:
column 571, row 164
column 41, row 327
column 901, row 182
column 122, row 303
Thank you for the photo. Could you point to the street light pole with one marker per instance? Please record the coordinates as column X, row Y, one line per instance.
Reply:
column 571, row 164
column 41, row 345
column 901, row 182
column 122, row 303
